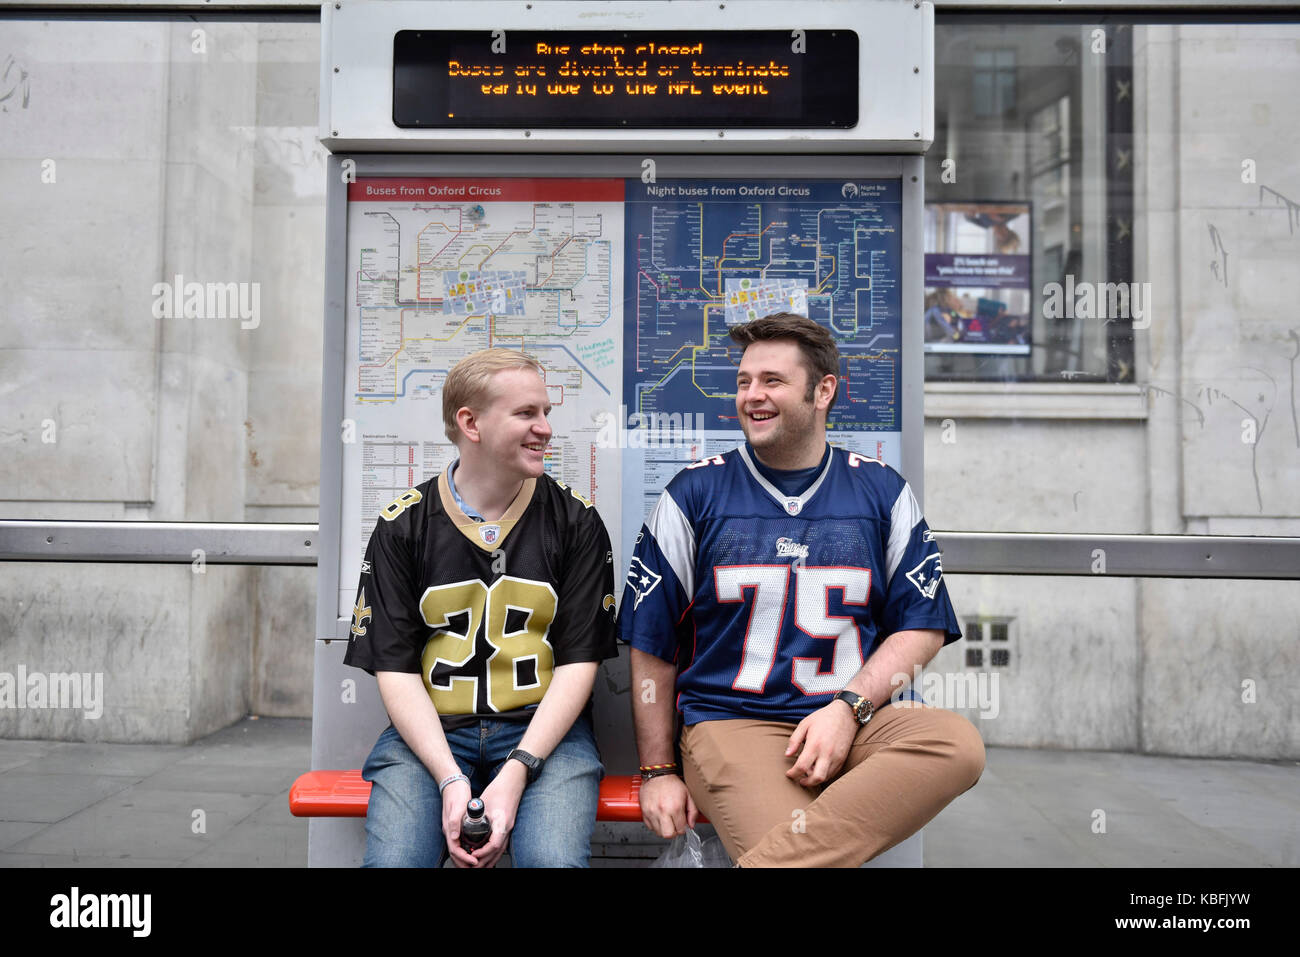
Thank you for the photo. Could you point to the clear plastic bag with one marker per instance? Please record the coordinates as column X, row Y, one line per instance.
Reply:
column 690, row 850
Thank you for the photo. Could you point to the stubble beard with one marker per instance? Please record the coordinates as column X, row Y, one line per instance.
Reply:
column 788, row 442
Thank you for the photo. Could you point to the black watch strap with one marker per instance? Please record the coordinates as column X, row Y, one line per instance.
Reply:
column 863, row 709
column 533, row 764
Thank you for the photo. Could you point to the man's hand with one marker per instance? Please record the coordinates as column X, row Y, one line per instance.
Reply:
column 666, row 805
column 454, row 798
column 501, row 802
column 825, row 736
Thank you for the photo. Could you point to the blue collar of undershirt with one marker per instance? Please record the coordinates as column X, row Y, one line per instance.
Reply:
column 791, row 482
column 460, row 502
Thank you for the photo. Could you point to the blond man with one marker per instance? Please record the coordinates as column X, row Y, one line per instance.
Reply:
column 484, row 608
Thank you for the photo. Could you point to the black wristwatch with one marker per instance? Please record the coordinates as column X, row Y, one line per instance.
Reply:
column 534, row 765
column 862, row 708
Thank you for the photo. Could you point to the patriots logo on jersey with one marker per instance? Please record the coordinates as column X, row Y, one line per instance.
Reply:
column 788, row 548
column 489, row 533
column 641, row 580
column 360, row 615
column 926, row 575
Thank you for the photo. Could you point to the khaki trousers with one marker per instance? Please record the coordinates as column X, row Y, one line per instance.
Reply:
column 903, row 768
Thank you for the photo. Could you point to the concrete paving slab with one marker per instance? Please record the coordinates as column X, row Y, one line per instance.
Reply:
column 276, row 811
column 1036, row 808
column 995, row 824
column 224, row 778
column 69, row 860
column 11, row 832
column 1159, row 839
column 1237, row 813
column 128, row 760
column 278, row 742
column 27, row 795
column 14, row 754
column 256, row 844
column 144, row 822
column 1226, row 793
column 1277, row 778
column 1269, row 847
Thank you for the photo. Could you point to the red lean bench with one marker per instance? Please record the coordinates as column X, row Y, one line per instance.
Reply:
column 344, row 794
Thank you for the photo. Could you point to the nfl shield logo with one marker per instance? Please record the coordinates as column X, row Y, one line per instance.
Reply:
column 489, row 533
column 792, row 506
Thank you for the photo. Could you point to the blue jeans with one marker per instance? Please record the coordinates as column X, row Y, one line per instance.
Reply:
column 556, row 814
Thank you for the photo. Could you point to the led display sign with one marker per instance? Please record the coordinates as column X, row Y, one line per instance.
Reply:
column 762, row 79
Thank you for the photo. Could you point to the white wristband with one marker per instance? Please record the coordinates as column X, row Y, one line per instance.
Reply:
column 448, row 780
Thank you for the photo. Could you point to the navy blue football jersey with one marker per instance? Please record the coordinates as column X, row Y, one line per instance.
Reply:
column 769, row 603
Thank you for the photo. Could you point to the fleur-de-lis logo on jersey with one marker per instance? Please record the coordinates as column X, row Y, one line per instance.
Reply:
column 360, row 615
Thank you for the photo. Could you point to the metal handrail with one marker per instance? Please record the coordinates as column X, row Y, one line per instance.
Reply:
column 215, row 543
column 189, row 7
column 975, row 553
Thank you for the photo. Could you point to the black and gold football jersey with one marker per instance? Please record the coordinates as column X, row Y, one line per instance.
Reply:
column 484, row 611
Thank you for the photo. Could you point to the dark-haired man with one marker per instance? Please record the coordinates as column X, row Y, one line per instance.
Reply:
column 774, row 593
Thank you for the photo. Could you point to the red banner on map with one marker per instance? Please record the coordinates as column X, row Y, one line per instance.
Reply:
column 452, row 190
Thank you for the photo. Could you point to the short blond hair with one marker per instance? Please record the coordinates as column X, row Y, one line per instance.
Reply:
column 470, row 379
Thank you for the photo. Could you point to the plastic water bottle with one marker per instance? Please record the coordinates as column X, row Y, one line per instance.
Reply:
column 475, row 828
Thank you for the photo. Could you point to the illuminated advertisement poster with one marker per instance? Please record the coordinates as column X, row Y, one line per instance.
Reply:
column 977, row 275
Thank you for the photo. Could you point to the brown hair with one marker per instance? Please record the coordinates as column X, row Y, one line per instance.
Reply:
column 820, row 356
column 469, row 380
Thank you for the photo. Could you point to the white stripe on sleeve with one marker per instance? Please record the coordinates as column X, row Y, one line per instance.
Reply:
column 902, row 519
column 676, row 539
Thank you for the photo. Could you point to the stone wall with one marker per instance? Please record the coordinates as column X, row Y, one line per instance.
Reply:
column 171, row 154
